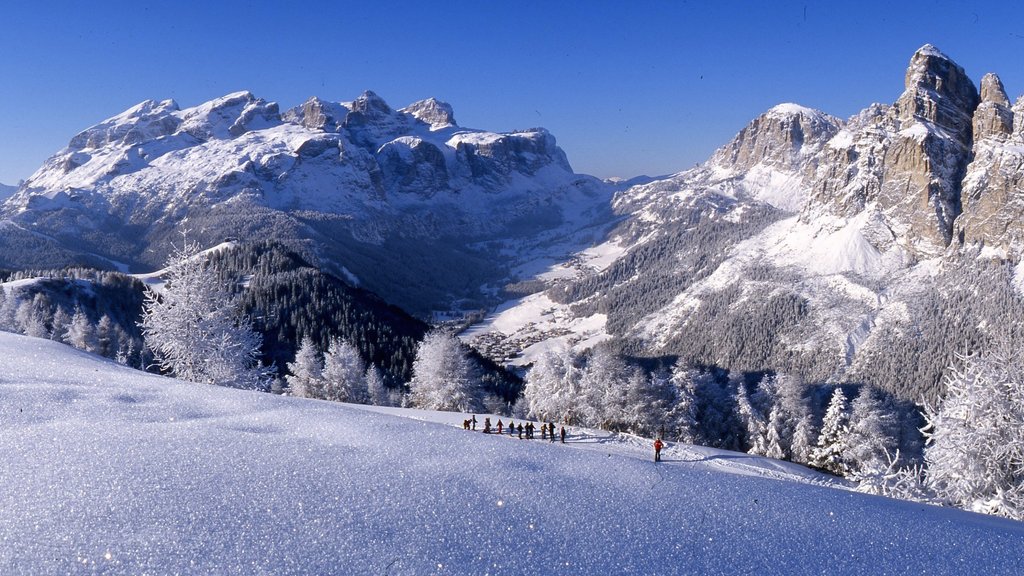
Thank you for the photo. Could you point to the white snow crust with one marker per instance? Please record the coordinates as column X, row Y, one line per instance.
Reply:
column 111, row 471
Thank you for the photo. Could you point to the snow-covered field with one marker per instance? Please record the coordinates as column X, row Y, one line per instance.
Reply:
column 111, row 471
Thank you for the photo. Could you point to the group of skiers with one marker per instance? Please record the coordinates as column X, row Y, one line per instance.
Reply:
column 524, row 431
column 547, row 431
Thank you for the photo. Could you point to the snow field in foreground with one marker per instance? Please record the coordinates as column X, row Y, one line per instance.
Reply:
column 112, row 471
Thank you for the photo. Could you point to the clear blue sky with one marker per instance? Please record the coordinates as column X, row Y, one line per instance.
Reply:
column 627, row 87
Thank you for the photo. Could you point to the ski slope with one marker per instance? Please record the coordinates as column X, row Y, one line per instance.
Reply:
column 111, row 471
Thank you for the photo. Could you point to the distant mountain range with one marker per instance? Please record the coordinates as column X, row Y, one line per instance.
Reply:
column 395, row 200
column 858, row 250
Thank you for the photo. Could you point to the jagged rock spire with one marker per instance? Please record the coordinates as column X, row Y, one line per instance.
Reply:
column 993, row 118
column 938, row 91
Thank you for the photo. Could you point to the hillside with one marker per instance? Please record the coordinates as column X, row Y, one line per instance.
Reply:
column 865, row 250
column 114, row 471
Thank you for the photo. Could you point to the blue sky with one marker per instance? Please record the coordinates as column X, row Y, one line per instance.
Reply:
column 627, row 88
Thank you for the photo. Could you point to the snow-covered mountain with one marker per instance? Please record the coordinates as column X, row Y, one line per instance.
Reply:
column 114, row 471
column 7, row 191
column 364, row 186
column 837, row 250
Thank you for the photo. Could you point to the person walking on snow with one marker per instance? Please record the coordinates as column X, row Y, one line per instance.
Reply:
column 473, row 421
column 500, row 426
column 563, row 434
column 658, row 445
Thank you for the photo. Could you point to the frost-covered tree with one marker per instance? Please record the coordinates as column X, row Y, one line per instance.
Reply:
column 603, row 388
column 376, row 389
column 81, row 333
column 444, row 377
column 195, row 329
column 975, row 438
column 828, row 452
column 553, row 387
column 683, row 414
column 107, row 336
column 31, row 317
column 774, row 436
column 344, row 373
column 754, row 419
column 803, row 439
column 305, row 378
column 871, row 441
column 8, row 308
column 59, row 324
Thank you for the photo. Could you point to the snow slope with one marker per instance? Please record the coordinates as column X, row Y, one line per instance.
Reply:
column 112, row 471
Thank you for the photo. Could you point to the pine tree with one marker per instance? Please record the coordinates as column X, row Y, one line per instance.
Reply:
column 31, row 318
column 803, row 439
column 975, row 451
column 602, row 386
column 872, row 437
column 774, row 435
column 107, row 337
column 683, row 413
column 828, row 453
column 306, row 372
column 195, row 329
column 444, row 378
column 59, row 324
column 80, row 333
column 343, row 374
column 754, row 421
column 375, row 387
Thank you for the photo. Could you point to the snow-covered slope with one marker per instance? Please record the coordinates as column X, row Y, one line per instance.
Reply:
column 112, row 471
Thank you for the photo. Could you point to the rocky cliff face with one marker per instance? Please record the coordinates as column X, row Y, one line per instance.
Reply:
column 993, row 188
column 905, row 162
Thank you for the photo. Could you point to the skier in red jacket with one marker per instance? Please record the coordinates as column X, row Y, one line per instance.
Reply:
column 658, row 445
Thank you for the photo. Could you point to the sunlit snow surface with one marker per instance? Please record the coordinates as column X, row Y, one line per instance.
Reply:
column 110, row 471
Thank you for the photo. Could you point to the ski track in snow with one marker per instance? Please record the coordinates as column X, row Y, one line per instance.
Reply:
column 112, row 471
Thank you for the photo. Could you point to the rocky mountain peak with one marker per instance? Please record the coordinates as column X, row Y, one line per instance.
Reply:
column 317, row 114
column 433, row 112
column 992, row 90
column 938, row 91
column 783, row 137
column 1018, row 117
column 993, row 118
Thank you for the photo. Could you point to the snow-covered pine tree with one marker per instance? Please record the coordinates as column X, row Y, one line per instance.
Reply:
column 646, row 397
column 376, row 389
column 872, row 437
column 828, row 452
column 59, row 324
column 602, row 387
column 305, row 378
column 106, row 335
column 8, row 307
column 195, row 330
column 803, row 439
column 682, row 414
column 444, row 377
column 774, row 436
column 31, row 317
column 81, row 333
column 975, row 438
column 344, row 373
column 755, row 421
column 553, row 388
